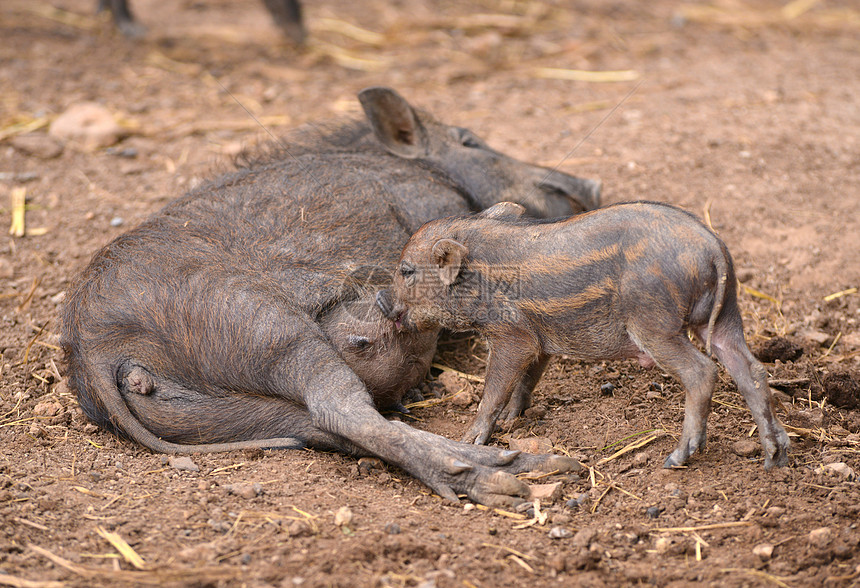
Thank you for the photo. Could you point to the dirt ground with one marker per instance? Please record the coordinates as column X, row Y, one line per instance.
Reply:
column 747, row 113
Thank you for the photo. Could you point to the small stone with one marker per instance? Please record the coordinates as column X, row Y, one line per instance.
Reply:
column 535, row 412
column 841, row 469
column 545, row 492
column 88, row 122
column 182, row 463
column 607, row 389
column 117, row 221
column 746, row 448
column 126, row 152
column 821, row 537
column 560, row 533
column 468, row 507
column 577, row 502
column 38, row 145
column 662, row 544
column 764, row 551
column 392, row 529
column 59, row 297
column 584, row 537
column 652, row 512
column 48, row 408
column 343, row 517
column 774, row 512
column 531, row 445
column 463, row 398
column 246, row 491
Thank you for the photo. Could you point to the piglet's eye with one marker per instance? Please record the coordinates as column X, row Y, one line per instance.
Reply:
column 407, row 270
column 358, row 342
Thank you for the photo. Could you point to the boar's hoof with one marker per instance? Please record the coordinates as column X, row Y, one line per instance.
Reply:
column 508, row 456
column 673, row 461
column 455, row 466
column 479, row 433
column 560, row 463
column 502, row 489
column 778, row 458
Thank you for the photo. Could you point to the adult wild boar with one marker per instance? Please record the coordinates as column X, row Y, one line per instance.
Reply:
column 242, row 314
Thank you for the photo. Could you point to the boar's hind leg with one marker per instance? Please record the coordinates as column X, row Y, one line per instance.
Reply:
column 751, row 378
column 698, row 375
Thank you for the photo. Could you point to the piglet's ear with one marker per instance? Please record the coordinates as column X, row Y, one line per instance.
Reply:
column 504, row 210
column 449, row 256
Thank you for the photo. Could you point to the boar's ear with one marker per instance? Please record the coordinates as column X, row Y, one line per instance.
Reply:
column 394, row 122
column 449, row 255
column 504, row 210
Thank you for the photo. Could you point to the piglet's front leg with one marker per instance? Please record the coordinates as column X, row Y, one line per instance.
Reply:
column 508, row 364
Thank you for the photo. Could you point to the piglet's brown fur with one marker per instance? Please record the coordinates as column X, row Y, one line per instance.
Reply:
column 626, row 281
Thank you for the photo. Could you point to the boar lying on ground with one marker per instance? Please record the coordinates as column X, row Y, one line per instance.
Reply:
column 243, row 314
column 627, row 281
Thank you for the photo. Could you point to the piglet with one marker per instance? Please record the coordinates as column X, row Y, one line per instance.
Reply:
column 626, row 281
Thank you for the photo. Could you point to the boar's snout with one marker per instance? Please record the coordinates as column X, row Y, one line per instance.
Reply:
column 583, row 194
column 385, row 303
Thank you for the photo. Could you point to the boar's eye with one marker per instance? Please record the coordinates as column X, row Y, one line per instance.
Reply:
column 358, row 342
column 468, row 139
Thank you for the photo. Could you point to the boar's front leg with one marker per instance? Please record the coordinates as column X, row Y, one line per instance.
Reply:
column 339, row 404
column 511, row 357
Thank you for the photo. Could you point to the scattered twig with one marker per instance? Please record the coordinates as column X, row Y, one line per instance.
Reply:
column 653, row 436
column 840, row 294
column 19, row 199
column 581, row 75
column 124, row 549
column 702, row 527
column 7, row 580
column 33, row 340
column 759, row 574
column 151, row 577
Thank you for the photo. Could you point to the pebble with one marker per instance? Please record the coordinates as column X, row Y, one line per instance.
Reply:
column 746, row 448
column 246, row 491
column 182, row 463
column 560, row 533
column 607, row 389
column 343, row 516
column 584, row 537
column 88, row 122
column 578, row 501
column 531, row 445
column 662, row 544
column 764, row 551
column 392, row 529
column 821, row 537
column 545, row 492
column 652, row 512
column 38, row 145
column 535, row 412
column 117, row 221
column 48, row 408
column 841, row 469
